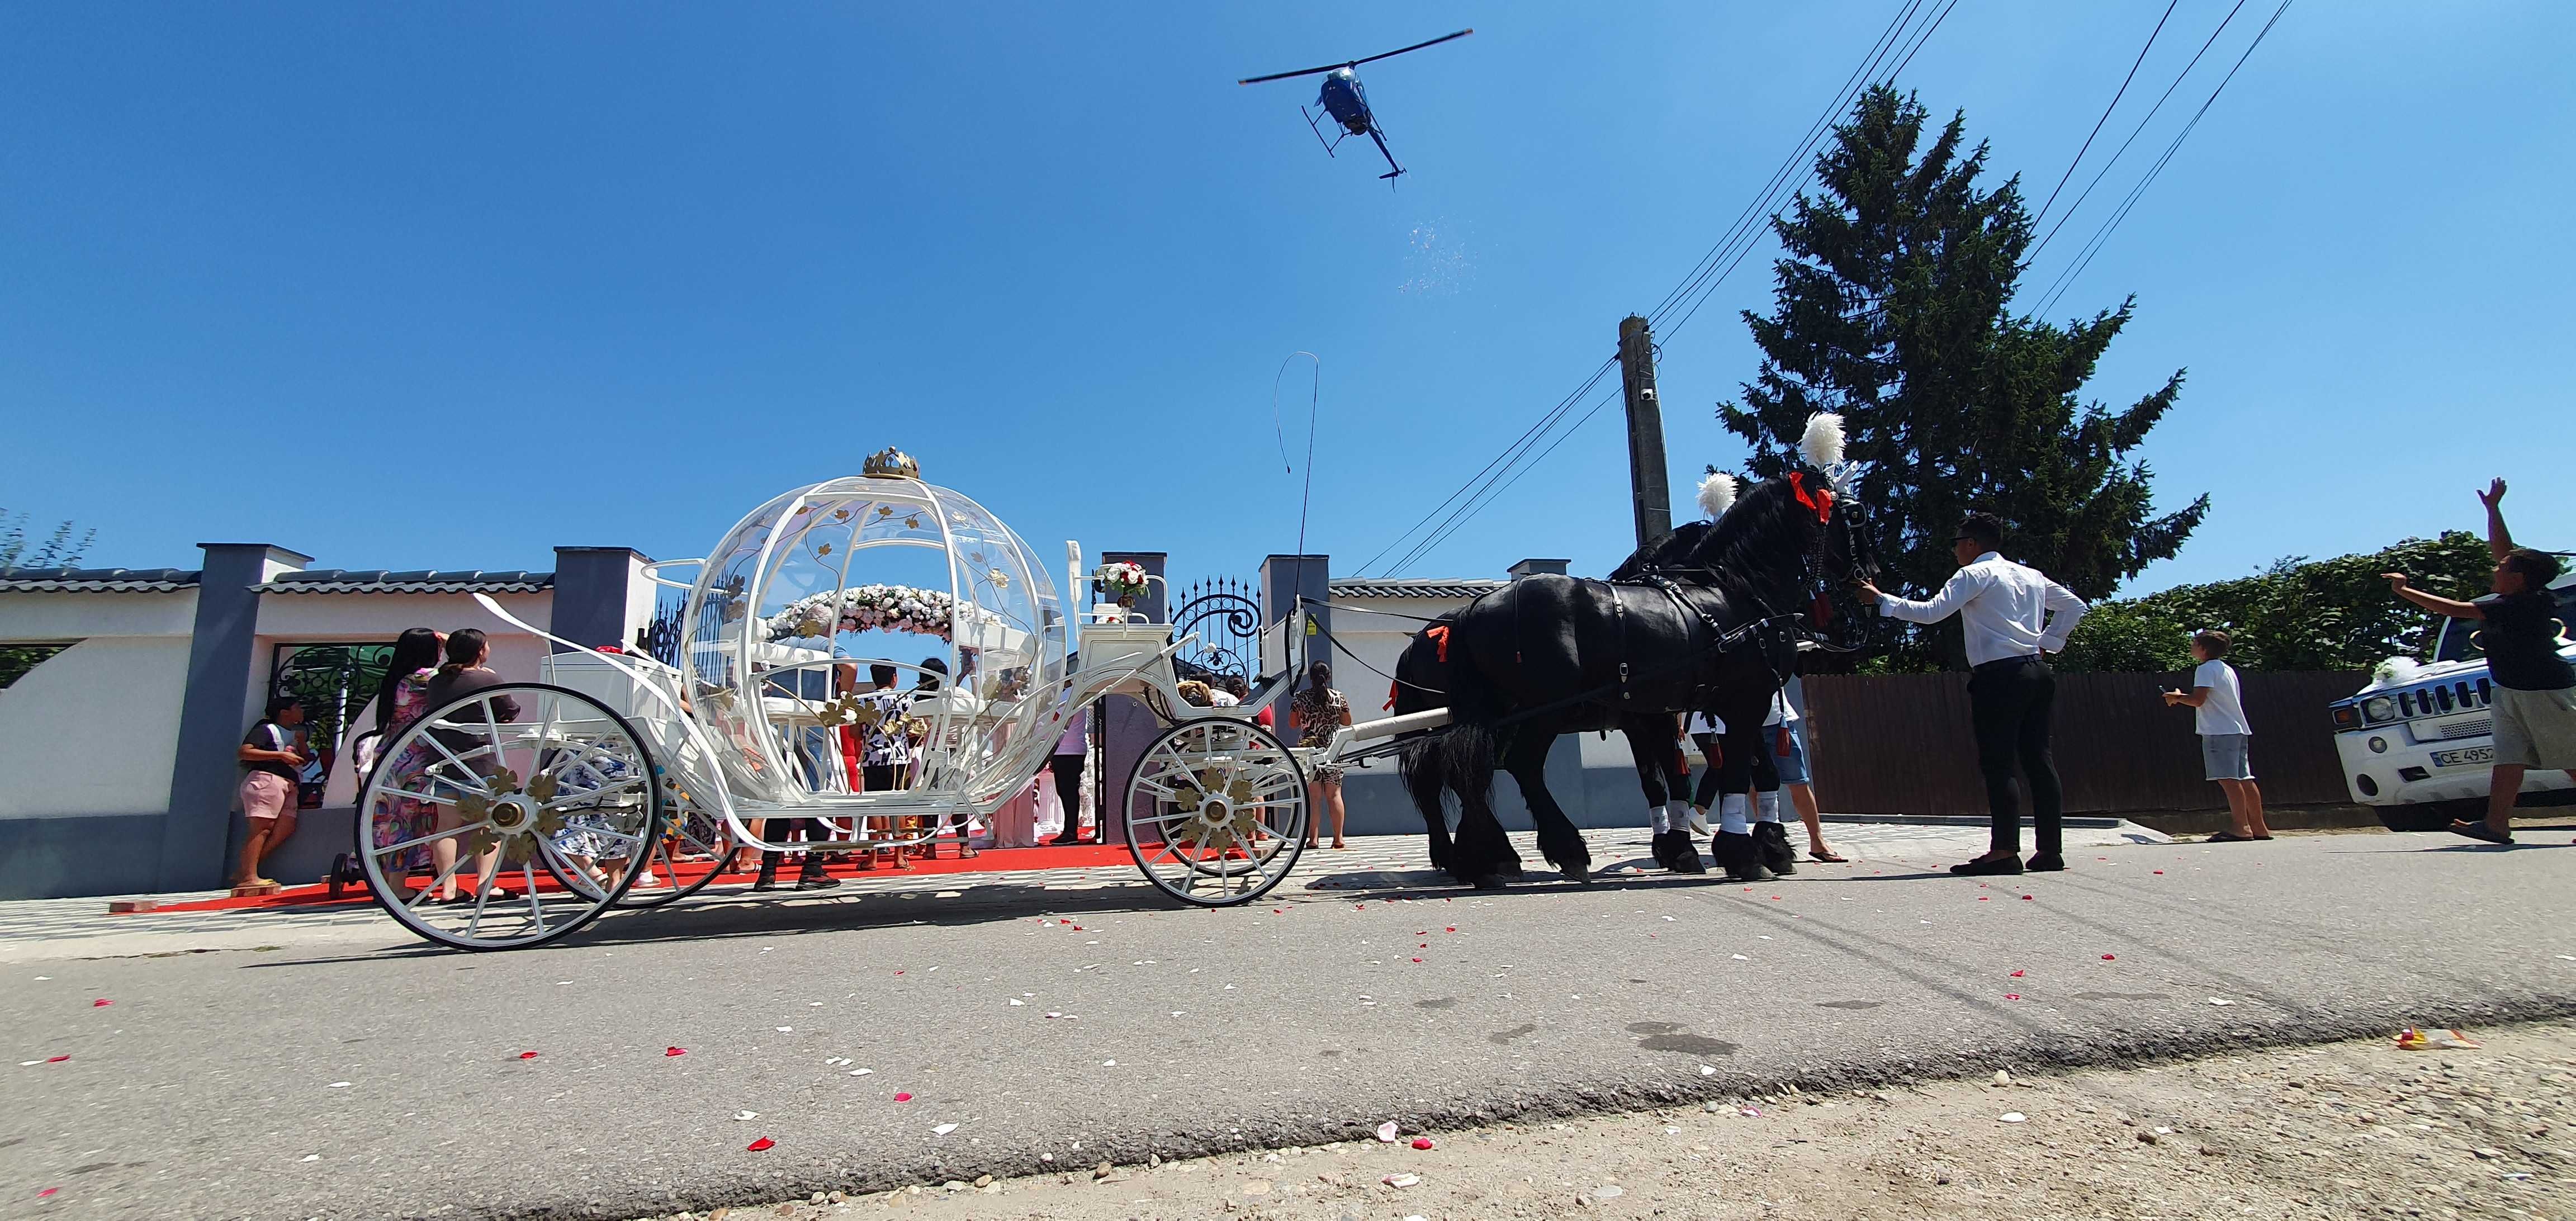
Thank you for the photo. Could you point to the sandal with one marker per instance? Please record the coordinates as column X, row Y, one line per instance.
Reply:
column 2227, row 837
column 1827, row 855
column 2481, row 831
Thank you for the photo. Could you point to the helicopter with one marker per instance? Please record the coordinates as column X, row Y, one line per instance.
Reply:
column 1347, row 103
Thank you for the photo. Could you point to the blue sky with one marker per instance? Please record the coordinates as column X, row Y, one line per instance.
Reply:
column 444, row 286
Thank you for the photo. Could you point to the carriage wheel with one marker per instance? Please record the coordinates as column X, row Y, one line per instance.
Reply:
column 1216, row 812
column 461, row 793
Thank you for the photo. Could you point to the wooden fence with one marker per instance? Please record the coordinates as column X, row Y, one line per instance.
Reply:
column 1902, row 744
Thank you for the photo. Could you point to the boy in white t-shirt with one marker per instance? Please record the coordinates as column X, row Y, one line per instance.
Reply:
column 2226, row 737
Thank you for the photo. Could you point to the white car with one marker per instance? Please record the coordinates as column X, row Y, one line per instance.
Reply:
column 2417, row 744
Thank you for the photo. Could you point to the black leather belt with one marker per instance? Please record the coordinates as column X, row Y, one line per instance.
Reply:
column 2001, row 662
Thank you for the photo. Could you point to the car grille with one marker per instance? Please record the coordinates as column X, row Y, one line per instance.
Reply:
column 2443, row 697
column 2462, row 727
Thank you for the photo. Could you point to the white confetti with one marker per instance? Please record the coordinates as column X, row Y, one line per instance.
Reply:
column 1739, row 958
column 785, row 1029
column 1401, row 1180
column 2011, row 1117
column 943, row 1129
column 1109, row 1064
column 744, row 1116
column 1610, row 1191
column 337, row 1085
column 2220, row 1000
column 312, row 1157
column 1386, row 1131
column 1708, row 1070
column 861, row 1072
column 29, row 1063
column 1015, row 1001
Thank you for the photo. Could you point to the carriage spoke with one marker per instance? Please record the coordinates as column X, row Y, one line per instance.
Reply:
column 436, row 882
column 536, row 906
column 432, row 837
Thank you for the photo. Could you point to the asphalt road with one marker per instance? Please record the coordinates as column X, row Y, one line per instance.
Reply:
column 369, row 1078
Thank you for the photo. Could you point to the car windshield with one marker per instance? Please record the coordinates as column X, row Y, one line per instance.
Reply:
column 2458, row 641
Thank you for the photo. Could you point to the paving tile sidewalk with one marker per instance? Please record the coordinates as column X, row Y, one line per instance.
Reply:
column 32, row 929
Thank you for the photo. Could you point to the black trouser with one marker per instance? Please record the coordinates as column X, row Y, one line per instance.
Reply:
column 1068, row 790
column 784, row 830
column 2010, row 702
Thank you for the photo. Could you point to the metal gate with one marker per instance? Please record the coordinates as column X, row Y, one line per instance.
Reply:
column 1225, row 612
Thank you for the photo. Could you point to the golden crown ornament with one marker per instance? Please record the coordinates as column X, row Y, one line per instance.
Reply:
column 891, row 463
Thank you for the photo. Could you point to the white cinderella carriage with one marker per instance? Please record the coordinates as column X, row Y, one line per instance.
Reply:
column 537, row 806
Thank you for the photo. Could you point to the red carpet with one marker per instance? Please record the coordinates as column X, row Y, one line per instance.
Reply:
column 990, row 860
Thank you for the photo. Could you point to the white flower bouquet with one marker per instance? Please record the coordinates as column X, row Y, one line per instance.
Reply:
column 1124, row 582
column 864, row 608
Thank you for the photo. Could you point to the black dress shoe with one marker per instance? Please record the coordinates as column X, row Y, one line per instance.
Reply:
column 1988, row 866
column 2045, row 862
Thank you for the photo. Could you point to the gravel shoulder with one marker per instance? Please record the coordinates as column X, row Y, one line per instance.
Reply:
column 2347, row 1129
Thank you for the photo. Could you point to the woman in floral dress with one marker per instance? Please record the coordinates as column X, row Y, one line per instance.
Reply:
column 400, row 699
column 1315, row 713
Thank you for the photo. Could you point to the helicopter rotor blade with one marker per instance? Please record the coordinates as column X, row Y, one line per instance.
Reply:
column 1281, row 76
column 1415, row 47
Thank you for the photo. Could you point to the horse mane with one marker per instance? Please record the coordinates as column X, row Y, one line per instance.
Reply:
column 1672, row 550
column 1744, row 547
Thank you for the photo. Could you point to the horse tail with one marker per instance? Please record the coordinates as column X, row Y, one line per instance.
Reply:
column 1463, row 755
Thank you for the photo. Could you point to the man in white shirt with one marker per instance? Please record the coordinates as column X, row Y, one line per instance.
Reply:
column 2011, row 616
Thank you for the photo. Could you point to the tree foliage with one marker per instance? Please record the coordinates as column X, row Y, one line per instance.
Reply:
column 1893, row 307
column 2296, row 614
column 58, row 550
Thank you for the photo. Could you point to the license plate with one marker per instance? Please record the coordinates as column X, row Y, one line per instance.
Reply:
column 2463, row 758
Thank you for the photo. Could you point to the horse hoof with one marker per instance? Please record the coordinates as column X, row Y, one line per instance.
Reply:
column 1688, row 864
column 1577, row 873
column 1489, row 882
column 1512, row 871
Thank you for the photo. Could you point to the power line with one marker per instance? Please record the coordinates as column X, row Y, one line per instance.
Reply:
column 2066, row 280
column 1745, row 250
column 1519, row 444
column 2033, row 253
column 1493, row 491
column 2106, row 111
column 1752, row 207
column 1712, row 269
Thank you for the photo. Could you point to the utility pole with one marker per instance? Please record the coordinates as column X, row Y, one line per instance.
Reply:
column 1649, row 494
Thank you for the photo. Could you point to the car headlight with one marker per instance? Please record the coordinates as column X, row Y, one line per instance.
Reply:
column 2379, row 708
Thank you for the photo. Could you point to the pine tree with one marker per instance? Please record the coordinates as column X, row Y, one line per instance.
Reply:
column 1893, row 307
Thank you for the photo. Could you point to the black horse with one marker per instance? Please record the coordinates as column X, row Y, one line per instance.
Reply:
column 1708, row 619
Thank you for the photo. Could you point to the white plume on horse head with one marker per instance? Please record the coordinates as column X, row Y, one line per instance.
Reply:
column 1822, row 444
column 1716, row 494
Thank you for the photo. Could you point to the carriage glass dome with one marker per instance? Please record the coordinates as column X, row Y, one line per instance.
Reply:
column 804, row 598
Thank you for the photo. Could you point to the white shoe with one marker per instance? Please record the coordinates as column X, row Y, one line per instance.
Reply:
column 1699, row 821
